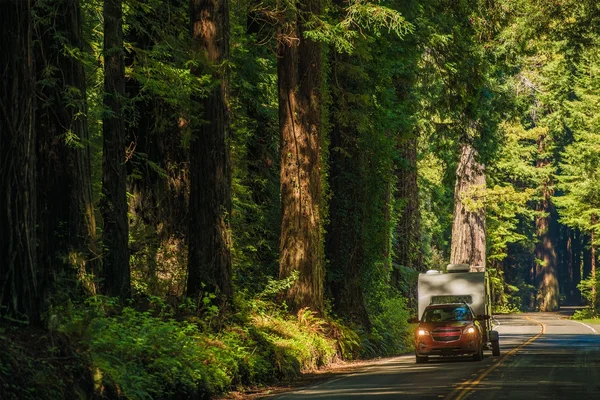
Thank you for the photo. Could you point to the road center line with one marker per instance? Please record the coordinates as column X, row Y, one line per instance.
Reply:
column 463, row 389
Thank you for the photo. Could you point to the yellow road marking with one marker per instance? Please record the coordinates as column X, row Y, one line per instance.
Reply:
column 463, row 389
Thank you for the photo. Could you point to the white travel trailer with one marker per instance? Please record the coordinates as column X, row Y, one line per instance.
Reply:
column 459, row 285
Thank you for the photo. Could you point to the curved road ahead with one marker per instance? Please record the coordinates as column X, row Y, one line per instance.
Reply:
column 543, row 356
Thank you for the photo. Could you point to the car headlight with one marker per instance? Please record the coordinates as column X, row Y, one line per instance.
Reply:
column 470, row 330
column 422, row 332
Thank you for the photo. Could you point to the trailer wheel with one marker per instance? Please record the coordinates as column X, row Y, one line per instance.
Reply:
column 421, row 359
column 496, row 348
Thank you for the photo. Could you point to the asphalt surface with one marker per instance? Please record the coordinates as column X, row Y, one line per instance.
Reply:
column 543, row 356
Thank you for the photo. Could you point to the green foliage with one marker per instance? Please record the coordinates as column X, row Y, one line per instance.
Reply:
column 256, row 215
column 299, row 344
column 587, row 313
column 589, row 291
column 134, row 354
column 274, row 286
column 360, row 16
column 504, row 209
column 141, row 355
column 507, row 297
column 347, row 340
column 391, row 333
column 40, row 366
column 436, row 208
column 578, row 180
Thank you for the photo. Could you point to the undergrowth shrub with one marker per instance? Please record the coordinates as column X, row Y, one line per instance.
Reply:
column 36, row 365
column 390, row 332
column 138, row 355
column 150, row 354
column 153, row 350
column 589, row 288
column 585, row 313
column 299, row 344
column 347, row 339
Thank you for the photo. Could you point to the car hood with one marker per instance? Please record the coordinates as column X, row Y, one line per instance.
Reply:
column 451, row 324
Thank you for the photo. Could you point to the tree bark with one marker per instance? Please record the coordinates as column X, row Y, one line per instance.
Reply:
column 468, row 227
column 586, row 257
column 576, row 253
column 546, row 258
column 158, row 200
column 19, row 268
column 209, row 234
column 407, row 249
column 567, row 261
column 115, row 236
column 67, row 223
column 593, row 262
column 299, row 78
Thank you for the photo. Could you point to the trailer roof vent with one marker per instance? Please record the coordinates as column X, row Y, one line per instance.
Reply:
column 458, row 268
column 433, row 272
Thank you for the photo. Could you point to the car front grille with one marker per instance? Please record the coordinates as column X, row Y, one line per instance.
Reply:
column 446, row 334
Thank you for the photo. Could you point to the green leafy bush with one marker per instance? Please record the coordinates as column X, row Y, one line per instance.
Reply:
column 137, row 355
column 586, row 287
column 149, row 354
column 585, row 313
column 390, row 333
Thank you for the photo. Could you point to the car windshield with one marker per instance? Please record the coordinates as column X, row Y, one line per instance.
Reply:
column 454, row 313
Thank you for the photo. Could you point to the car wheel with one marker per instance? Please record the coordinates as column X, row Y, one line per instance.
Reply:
column 479, row 355
column 421, row 359
column 496, row 348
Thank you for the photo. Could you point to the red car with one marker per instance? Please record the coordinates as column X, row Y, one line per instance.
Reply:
column 449, row 329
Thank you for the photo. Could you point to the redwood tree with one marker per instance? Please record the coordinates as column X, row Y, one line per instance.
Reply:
column 468, row 228
column 19, row 283
column 407, row 232
column 546, row 276
column 344, row 239
column 67, row 224
column 114, row 175
column 209, row 234
column 299, row 77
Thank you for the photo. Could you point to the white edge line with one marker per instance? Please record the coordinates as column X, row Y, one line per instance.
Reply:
column 587, row 326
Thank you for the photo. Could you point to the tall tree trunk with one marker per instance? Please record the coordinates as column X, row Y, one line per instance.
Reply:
column 67, row 221
column 299, row 78
column 593, row 262
column 576, row 240
column 114, row 175
column 158, row 199
column 344, row 244
column 593, row 268
column 407, row 248
column 586, row 257
column 546, row 264
column 468, row 228
column 567, row 261
column 19, row 283
column 209, row 235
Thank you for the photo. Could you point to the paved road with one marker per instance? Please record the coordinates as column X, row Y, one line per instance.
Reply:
column 543, row 356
